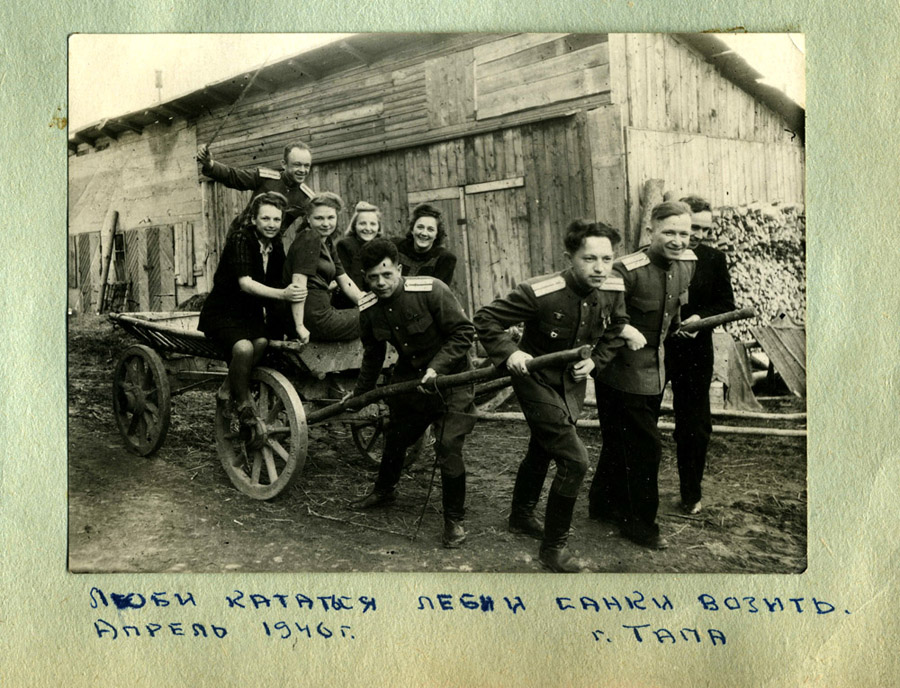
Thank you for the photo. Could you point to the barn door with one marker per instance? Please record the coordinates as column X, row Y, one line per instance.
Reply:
column 161, row 267
column 453, row 208
column 498, row 237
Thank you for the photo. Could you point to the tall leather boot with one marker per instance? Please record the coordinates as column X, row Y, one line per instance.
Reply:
column 526, row 493
column 553, row 553
column 453, row 498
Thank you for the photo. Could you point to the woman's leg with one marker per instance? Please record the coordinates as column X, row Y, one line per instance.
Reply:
column 243, row 355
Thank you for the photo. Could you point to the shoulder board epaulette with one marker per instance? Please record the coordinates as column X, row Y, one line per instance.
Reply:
column 548, row 285
column 687, row 254
column 613, row 283
column 633, row 261
column 367, row 299
column 266, row 173
column 307, row 190
column 419, row 284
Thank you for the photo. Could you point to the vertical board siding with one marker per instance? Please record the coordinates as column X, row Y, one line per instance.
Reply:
column 727, row 172
column 138, row 298
column 670, row 88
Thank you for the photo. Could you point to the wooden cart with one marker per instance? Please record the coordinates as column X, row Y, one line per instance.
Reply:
column 292, row 387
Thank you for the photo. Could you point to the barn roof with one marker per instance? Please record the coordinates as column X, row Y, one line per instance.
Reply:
column 362, row 49
column 734, row 68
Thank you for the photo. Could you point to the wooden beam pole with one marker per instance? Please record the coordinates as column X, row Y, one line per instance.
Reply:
column 304, row 69
column 355, row 52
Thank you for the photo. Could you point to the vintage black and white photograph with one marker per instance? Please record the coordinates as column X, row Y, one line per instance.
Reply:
column 513, row 302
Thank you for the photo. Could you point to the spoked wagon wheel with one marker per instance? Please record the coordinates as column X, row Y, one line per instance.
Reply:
column 369, row 440
column 141, row 399
column 261, row 461
column 368, row 437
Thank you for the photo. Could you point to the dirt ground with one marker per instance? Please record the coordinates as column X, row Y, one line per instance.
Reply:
column 178, row 511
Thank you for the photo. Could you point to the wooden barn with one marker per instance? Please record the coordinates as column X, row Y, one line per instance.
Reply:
column 512, row 135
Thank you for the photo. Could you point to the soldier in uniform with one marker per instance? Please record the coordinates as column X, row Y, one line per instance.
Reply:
column 425, row 323
column 629, row 390
column 295, row 167
column 689, row 357
column 581, row 305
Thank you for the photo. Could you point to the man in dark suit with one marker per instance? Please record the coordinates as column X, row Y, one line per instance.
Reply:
column 689, row 358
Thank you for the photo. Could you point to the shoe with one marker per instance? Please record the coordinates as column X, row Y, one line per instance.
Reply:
column 605, row 517
column 558, row 560
column 526, row 525
column 375, row 499
column 558, row 519
column 691, row 507
column 454, row 533
column 654, row 541
column 253, row 429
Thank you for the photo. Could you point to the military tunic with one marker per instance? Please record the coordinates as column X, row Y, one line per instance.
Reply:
column 427, row 326
column 629, row 391
column 259, row 180
column 558, row 314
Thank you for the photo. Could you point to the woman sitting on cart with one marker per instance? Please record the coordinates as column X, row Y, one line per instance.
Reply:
column 249, row 274
column 312, row 263
column 421, row 250
column 364, row 226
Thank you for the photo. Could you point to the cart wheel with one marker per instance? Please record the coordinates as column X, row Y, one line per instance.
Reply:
column 141, row 399
column 261, row 464
column 369, row 439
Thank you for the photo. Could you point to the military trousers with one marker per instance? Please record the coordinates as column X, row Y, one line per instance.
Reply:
column 553, row 438
column 625, row 485
column 453, row 415
column 689, row 366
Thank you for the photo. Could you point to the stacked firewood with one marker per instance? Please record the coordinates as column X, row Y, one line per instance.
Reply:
column 765, row 247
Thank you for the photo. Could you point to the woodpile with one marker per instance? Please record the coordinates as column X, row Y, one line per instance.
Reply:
column 765, row 246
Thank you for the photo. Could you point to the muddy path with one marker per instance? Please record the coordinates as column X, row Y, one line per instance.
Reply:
column 177, row 510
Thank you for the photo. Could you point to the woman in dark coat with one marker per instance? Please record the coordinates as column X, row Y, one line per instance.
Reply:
column 248, row 276
column 421, row 250
column 312, row 263
column 364, row 226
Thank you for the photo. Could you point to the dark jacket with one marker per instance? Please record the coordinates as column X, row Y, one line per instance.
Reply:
column 558, row 314
column 227, row 306
column 262, row 179
column 436, row 261
column 425, row 324
column 710, row 292
column 348, row 250
column 655, row 291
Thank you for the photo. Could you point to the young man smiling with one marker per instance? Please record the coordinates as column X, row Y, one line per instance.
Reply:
column 629, row 390
column 581, row 305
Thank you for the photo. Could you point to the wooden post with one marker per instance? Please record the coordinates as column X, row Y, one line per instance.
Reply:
column 651, row 195
column 107, row 241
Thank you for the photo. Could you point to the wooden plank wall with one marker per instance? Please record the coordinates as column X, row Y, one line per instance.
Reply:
column 671, row 88
column 514, row 230
column 727, row 172
column 532, row 70
column 688, row 125
column 417, row 96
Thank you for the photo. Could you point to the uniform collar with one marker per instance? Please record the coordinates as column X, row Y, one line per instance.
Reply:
column 659, row 260
column 399, row 290
column 573, row 284
column 288, row 180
